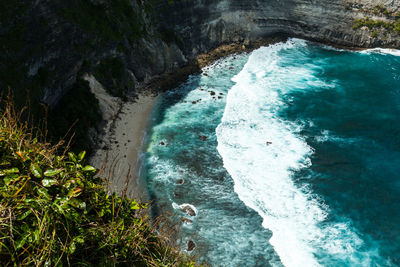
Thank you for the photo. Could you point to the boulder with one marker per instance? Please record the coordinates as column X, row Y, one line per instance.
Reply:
column 190, row 246
column 189, row 211
column 186, row 220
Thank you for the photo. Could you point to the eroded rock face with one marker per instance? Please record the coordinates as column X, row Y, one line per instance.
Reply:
column 53, row 50
column 209, row 23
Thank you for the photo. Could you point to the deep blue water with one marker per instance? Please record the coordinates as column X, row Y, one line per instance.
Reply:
column 289, row 156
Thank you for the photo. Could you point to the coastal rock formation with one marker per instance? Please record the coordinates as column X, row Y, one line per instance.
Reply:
column 212, row 23
column 186, row 220
column 190, row 246
column 125, row 44
column 189, row 210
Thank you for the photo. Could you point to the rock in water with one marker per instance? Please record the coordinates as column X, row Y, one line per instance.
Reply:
column 191, row 246
column 186, row 220
column 189, row 211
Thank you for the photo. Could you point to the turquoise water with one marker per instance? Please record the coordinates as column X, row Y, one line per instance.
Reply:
column 288, row 156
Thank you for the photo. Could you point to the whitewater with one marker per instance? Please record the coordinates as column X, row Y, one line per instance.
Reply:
column 269, row 150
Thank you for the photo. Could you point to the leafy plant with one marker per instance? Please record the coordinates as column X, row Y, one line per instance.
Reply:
column 55, row 211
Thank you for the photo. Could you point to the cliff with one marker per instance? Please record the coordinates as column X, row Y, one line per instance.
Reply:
column 46, row 46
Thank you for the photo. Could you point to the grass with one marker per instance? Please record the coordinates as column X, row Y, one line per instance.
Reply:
column 54, row 210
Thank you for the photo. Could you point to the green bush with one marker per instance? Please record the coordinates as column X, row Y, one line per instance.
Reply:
column 371, row 24
column 54, row 210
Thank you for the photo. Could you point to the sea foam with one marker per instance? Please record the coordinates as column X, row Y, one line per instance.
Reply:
column 261, row 152
column 385, row 51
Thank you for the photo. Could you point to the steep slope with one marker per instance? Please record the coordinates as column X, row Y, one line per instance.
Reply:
column 45, row 46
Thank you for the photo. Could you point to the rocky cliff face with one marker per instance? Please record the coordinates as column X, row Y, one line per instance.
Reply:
column 125, row 43
column 209, row 23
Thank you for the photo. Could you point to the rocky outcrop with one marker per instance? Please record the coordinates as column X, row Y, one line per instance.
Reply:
column 56, row 42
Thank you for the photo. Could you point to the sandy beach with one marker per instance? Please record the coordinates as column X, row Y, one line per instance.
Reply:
column 119, row 148
column 120, row 144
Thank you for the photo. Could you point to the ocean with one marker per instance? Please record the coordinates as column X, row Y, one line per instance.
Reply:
column 287, row 156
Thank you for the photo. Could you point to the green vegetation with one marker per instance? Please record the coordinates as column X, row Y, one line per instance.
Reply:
column 54, row 211
column 380, row 9
column 371, row 24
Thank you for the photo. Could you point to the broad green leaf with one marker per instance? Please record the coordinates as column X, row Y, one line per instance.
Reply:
column 9, row 171
column 36, row 171
column 4, row 163
column 7, row 180
column 81, row 155
column 72, row 156
column 79, row 239
column 89, row 168
column 43, row 193
column 48, row 182
column 51, row 172
column 72, row 248
column 134, row 205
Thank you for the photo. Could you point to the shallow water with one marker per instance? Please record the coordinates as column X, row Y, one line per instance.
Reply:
column 288, row 156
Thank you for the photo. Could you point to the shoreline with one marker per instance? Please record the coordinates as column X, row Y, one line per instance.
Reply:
column 169, row 80
column 121, row 141
column 118, row 147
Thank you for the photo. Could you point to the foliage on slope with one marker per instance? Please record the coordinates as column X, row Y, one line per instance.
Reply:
column 54, row 211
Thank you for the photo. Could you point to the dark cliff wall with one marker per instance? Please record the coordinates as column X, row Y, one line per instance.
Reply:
column 46, row 45
column 208, row 23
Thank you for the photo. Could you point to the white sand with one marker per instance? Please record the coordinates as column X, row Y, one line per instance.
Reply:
column 121, row 144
